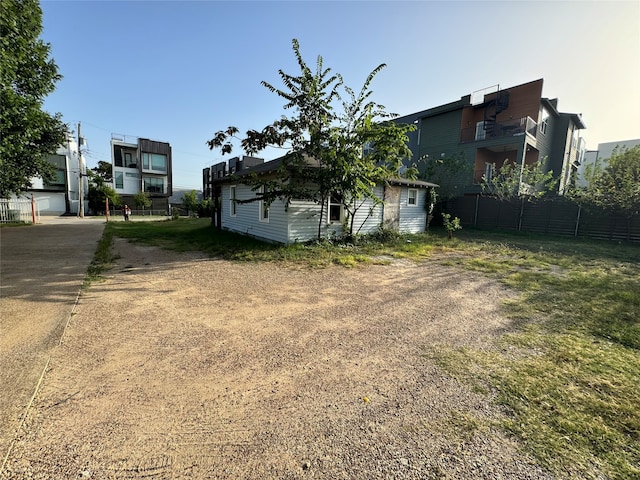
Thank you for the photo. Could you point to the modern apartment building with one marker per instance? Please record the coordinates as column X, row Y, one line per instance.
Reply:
column 495, row 125
column 61, row 195
column 142, row 165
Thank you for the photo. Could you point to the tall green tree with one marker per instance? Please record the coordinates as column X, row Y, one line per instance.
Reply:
column 325, row 147
column 28, row 135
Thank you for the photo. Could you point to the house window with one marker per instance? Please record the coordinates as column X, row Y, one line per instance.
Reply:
column 544, row 121
column 489, row 171
column 264, row 207
column 232, row 200
column 154, row 162
column 59, row 179
column 153, row 184
column 480, row 132
column 412, row 199
column 335, row 208
column 119, row 180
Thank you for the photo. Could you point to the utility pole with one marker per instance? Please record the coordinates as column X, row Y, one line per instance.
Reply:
column 80, row 181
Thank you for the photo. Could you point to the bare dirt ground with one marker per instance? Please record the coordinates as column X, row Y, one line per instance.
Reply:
column 180, row 366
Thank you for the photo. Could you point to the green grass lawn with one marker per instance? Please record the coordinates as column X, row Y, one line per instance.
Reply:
column 569, row 376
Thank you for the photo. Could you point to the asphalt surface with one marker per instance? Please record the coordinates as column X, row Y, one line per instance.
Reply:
column 42, row 268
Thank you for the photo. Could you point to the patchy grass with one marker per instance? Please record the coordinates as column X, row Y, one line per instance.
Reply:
column 569, row 375
column 102, row 259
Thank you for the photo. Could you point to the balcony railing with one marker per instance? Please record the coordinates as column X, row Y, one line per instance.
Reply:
column 499, row 130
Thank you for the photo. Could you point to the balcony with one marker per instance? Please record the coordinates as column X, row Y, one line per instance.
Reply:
column 494, row 130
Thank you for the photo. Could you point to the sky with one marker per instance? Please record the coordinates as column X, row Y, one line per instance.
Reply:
column 179, row 71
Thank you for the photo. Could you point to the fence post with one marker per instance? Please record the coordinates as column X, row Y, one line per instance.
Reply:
column 475, row 217
column 575, row 233
column 33, row 209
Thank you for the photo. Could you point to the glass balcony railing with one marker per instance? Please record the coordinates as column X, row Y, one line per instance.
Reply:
column 524, row 125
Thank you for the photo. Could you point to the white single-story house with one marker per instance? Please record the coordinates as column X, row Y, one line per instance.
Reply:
column 405, row 208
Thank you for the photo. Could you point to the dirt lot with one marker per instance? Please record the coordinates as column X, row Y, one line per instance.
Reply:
column 179, row 366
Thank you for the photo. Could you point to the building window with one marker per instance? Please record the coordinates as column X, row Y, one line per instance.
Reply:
column 412, row 199
column 480, row 132
column 119, row 180
column 154, row 162
column 335, row 208
column 59, row 180
column 489, row 171
column 544, row 121
column 264, row 207
column 153, row 184
column 232, row 200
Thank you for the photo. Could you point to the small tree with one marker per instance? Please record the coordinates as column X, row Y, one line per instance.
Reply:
column 451, row 225
column 190, row 201
column 142, row 200
column 515, row 181
column 324, row 149
column 447, row 172
column 98, row 192
column 104, row 171
column 616, row 188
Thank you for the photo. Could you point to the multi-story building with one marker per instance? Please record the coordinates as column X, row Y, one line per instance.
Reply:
column 61, row 195
column 142, row 165
column 492, row 126
column 599, row 158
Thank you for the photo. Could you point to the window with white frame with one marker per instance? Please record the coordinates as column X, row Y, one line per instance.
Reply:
column 154, row 162
column 480, row 131
column 232, row 200
column 544, row 120
column 335, row 208
column 119, row 180
column 412, row 197
column 264, row 207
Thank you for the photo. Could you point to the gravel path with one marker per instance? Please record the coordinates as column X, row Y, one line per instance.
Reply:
column 179, row 366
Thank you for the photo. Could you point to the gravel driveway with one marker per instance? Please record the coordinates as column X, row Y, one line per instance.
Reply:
column 180, row 366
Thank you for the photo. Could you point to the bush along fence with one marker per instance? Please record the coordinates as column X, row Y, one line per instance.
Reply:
column 556, row 217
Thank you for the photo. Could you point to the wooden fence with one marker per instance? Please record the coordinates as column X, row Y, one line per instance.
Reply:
column 555, row 217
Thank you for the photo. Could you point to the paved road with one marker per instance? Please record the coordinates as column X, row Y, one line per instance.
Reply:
column 41, row 271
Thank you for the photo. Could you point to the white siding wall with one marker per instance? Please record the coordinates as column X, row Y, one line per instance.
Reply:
column 300, row 222
column 413, row 218
column 365, row 222
column 247, row 219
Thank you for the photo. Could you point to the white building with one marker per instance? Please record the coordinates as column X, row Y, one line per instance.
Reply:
column 61, row 195
column 598, row 158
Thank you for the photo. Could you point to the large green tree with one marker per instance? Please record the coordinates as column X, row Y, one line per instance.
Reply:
column 28, row 135
column 330, row 151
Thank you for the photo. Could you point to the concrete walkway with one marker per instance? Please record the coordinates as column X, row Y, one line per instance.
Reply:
column 42, row 268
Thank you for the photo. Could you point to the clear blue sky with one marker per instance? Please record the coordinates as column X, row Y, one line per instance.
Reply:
column 179, row 71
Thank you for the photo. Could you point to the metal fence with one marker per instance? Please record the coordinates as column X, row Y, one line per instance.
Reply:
column 555, row 217
column 19, row 210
